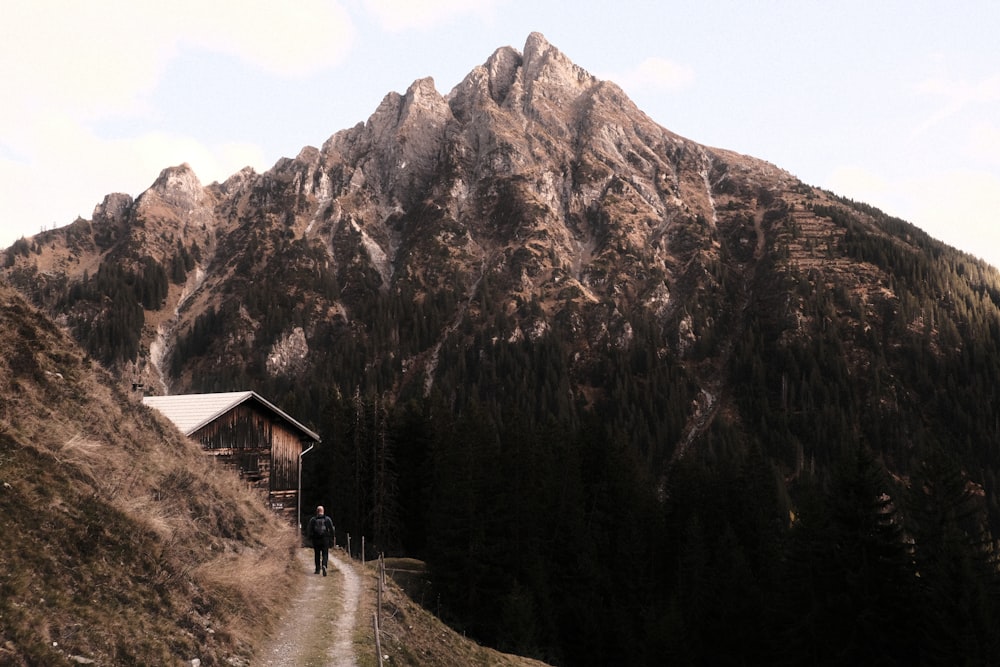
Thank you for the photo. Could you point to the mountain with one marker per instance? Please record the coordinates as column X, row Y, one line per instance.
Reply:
column 543, row 336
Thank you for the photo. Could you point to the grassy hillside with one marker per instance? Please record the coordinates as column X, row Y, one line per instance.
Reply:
column 411, row 635
column 121, row 543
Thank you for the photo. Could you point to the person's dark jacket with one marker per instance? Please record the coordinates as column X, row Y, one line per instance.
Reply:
column 320, row 537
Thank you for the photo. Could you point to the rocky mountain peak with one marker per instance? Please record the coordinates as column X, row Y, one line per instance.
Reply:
column 535, row 46
column 114, row 207
column 422, row 93
column 178, row 184
column 238, row 180
column 534, row 83
column 175, row 195
column 395, row 150
column 502, row 68
column 178, row 202
column 544, row 62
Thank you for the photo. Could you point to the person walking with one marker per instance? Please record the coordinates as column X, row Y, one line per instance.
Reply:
column 320, row 531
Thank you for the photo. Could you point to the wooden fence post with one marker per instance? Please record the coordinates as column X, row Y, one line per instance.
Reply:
column 378, row 640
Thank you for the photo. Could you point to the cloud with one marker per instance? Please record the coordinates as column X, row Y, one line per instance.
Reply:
column 73, row 57
column 291, row 39
column 52, row 189
column 401, row 15
column 66, row 67
column 656, row 74
column 94, row 59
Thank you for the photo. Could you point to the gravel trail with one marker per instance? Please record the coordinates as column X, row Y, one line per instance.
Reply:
column 317, row 632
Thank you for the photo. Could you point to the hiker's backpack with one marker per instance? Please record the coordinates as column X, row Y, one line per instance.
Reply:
column 319, row 527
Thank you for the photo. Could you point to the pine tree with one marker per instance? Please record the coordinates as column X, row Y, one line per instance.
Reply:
column 849, row 586
column 959, row 590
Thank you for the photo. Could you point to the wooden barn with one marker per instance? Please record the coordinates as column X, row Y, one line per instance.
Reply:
column 243, row 430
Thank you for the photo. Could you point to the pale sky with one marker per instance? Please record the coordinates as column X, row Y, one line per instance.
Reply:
column 896, row 104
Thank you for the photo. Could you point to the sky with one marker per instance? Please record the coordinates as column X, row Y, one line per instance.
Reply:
column 896, row 104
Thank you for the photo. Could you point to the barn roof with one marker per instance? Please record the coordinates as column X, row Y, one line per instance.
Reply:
column 189, row 412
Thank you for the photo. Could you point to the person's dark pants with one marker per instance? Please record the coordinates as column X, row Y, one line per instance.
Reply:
column 322, row 552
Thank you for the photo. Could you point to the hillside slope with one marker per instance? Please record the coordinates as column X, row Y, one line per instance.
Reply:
column 121, row 543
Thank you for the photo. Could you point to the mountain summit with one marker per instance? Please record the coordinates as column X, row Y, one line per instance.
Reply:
column 532, row 200
column 528, row 280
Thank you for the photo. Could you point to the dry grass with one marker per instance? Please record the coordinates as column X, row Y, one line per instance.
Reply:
column 122, row 543
column 411, row 635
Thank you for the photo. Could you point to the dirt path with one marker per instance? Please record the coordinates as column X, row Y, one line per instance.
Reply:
column 317, row 630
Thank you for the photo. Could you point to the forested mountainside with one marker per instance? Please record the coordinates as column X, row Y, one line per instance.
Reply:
column 619, row 389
